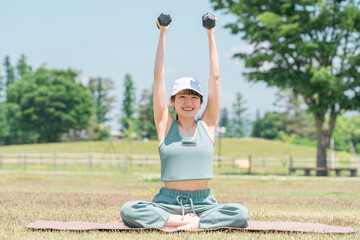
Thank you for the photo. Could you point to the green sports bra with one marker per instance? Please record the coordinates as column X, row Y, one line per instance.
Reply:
column 186, row 159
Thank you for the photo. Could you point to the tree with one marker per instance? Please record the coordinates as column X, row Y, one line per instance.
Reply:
column 48, row 103
column 2, row 87
column 22, row 67
column 256, row 127
column 99, row 89
column 9, row 71
column 269, row 126
column 146, row 115
column 347, row 133
column 239, row 120
column 225, row 122
column 128, row 107
column 296, row 116
column 311, row 47
column 96, row 131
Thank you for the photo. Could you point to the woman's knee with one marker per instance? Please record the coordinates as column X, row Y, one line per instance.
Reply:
column 138, row 214
column 128, row 210
column 240, row 214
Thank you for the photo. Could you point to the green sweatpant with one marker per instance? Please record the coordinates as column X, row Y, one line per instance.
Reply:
column 142, row 214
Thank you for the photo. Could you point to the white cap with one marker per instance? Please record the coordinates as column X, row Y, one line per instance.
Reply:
column 186, row 83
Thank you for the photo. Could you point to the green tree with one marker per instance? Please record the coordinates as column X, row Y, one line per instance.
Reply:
column 239, row 119
column 9, row 71
column 128, row 106
column 146, row 115
column 48, row 103
column 296, row 116
column 2, row 87
column 347, row 132
column 269, row 126
column 225, row 122
column 96, row 131
column 256, row 127
column 99, row 89
column 10, row 124
column 22, row 67
column 2, row 114
column 311, row 47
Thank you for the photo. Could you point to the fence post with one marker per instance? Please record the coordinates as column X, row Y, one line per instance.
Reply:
column 118, row 161
column 1, row 162
column 41, row 159
column 291, row 165
column 249, row 158
column 25, row 161
column 19, row 161
column 54, row 160
column 233, row 161
column 90, row 162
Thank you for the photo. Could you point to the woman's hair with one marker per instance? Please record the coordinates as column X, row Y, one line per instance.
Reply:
column 189, row 92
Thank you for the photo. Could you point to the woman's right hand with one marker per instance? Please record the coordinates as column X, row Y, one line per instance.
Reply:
column 162, row 28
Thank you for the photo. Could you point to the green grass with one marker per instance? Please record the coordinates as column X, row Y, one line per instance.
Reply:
column 98, row 196
column 230, row 147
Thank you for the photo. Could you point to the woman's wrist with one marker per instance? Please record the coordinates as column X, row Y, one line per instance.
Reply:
column 210, row 32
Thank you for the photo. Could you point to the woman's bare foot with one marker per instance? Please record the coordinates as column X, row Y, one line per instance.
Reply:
column 175, row 222
column 194, row 224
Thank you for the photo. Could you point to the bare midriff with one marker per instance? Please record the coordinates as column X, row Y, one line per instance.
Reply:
column 191, row 185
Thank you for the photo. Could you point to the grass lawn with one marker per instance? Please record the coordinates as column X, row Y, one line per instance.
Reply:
column 98, row 196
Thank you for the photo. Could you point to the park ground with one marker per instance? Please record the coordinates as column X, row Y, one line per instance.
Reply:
column 27, row 196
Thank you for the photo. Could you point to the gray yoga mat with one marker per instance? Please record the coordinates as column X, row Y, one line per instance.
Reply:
column 253, row 226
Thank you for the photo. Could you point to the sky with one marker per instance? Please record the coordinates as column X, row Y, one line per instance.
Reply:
column 110, row 39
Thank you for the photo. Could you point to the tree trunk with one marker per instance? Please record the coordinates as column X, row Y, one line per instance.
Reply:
column 321, row 154
column 76, row 135
column 323, row 140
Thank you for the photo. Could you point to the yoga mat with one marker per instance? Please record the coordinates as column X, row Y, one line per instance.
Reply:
column 253, row 226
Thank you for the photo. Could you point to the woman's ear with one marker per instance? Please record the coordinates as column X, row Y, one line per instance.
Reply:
column 172, row 103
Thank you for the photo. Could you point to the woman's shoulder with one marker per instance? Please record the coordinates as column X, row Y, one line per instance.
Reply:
column 209, row 129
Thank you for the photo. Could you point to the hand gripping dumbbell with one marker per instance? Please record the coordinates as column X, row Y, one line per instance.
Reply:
column 208, row 21
column 164, row 19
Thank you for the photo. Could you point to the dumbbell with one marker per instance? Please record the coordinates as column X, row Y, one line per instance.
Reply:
column 208, row 21
column 164, row 19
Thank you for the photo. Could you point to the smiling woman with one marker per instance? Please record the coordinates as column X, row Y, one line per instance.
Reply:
column 186, row 149
column 189, row 99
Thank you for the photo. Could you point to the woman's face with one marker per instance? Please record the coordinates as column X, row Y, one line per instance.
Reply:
column 186, row 105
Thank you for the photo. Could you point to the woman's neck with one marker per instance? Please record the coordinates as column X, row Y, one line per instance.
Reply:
column 186, row 123
column 187, row 128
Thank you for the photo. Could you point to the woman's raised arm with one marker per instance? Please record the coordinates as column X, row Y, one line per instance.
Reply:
column 161, row 112
column 211, row 112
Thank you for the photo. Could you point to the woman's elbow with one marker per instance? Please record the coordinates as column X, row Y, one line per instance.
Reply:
column 216, row 77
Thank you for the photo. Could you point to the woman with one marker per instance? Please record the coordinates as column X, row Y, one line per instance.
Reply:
column 186, row 149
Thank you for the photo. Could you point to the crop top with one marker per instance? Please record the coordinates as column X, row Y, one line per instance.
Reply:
column 186, row 159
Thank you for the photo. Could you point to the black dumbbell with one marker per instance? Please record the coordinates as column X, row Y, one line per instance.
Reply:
column 208, row 20
column 164, row 19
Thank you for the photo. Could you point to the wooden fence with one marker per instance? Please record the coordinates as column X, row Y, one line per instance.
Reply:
column 92, row 161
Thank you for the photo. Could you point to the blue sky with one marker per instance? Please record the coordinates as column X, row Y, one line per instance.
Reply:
column 112, row 38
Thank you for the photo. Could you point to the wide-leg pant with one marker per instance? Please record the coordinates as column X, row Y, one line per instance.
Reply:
column 154, row 214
